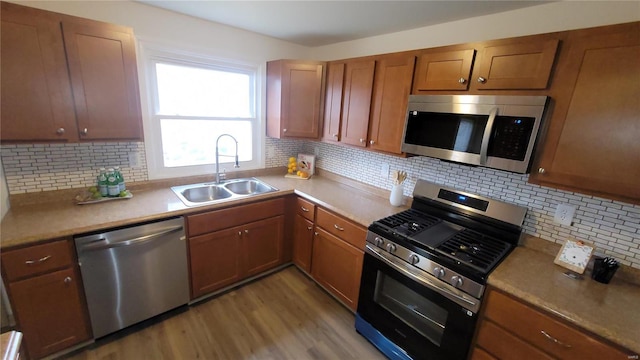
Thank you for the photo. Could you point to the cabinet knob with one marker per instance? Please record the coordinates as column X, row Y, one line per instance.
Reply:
column 239, row 233
column 60, row 131
column 284, row 130
column 462, row 80
column 541, row 170
column 67, row 280
column 482, row 80
column 371, row 142
column 361, row 140
column 309, row 228
column 246, row 231
column 335, row 135
column 315, row 233
column 84, row 131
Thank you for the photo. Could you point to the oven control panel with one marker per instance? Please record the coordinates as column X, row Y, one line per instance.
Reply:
column 433, row 268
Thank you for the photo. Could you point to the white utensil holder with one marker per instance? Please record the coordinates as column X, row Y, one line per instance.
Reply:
column 396, row 196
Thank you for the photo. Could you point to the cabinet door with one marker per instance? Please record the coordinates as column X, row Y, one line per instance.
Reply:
column 295, row 94
column 215, row 260
column 104, row 79
column 356, row 103
column 392, row 85
column 302, row 242
column 515, row 66
column 337, row 266
column 262, row 243
column 50, row 312
column 445, row 70
column 333, row 102
column 592, row 142
column 36, row 94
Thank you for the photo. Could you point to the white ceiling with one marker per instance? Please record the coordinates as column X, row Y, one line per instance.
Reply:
column 316, row 23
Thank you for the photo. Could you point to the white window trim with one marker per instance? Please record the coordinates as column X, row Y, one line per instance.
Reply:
column 150, row 52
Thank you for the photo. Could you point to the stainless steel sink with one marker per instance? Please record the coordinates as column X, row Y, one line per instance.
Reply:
column 210, row 193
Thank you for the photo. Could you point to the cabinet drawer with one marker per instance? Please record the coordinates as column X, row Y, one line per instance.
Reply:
column 342, row 228
column 306, row 209
column 502, row 344
column 540, row 330
column 36, row 259
column 234, row 216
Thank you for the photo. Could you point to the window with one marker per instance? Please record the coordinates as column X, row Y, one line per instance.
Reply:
column 192, row 101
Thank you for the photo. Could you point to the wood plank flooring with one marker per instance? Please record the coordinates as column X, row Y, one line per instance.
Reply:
column 282, row 316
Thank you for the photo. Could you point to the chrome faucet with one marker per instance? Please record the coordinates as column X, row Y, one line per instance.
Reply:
column 236, row 165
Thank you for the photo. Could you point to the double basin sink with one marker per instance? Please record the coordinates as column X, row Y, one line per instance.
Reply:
column 211, row 193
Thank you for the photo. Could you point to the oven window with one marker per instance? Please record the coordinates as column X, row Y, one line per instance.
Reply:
column 458, row 132
column 422, row 315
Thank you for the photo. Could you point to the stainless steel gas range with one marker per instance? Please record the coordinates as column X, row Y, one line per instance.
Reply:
column 425, row 271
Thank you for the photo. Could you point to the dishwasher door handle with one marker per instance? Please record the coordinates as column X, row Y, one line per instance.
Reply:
column 135, row 241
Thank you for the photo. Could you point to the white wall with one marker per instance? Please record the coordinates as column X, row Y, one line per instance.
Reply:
column 550, row 17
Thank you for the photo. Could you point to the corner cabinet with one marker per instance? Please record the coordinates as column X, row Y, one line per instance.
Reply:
column 511, row 329
column 229, row 245
column 295, row 97
column 592, row 141
column 303, row 225
column 67, row 79
column 46, row 293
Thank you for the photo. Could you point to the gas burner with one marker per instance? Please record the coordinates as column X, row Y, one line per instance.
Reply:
column 471, row 249
column 475, row 249
column 408, row 222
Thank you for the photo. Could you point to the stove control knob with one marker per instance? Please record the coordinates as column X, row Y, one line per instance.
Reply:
column 438, row 272
column 391, row 248
column 414, row 259
column 379, row 241
column 456, row 281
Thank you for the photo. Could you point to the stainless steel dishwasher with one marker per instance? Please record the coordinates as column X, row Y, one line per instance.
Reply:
column 132, row 274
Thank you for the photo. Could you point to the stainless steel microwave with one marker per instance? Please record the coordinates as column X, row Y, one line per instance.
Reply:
column 492, row 131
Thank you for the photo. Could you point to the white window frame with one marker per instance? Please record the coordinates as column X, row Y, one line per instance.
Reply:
column 152, row 53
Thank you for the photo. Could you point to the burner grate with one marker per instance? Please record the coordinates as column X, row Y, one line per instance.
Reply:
column 475, row 249
column 409, row 222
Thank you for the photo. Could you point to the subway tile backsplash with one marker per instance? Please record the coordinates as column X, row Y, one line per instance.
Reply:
column 613, row 226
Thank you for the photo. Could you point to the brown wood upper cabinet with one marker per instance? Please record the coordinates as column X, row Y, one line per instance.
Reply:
column 372, row 95
column 443, row 70
column 46, row 294
column 511, row 64
column 521, row 65
column 67, row 79
column 295, row 95
column 592, row 141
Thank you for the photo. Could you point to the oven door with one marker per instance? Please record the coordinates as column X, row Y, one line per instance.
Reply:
column 411, row 314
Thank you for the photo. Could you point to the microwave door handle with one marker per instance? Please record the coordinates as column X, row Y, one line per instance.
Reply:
column 487, row 136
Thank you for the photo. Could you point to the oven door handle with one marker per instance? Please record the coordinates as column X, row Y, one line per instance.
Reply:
column 421, row 279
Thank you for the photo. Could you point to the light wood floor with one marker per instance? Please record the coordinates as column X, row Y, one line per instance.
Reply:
column 282, row 316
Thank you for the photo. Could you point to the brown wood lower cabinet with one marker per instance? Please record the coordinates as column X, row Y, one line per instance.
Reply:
column 511, row 329
column 337, row 266
column 49, row 305
column 251, row 243
column 302, row 243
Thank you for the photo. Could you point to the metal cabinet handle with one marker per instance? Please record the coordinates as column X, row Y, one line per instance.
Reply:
column 41, row 260
column 239, row 233
column 361, row 140
column 309, row 228
column 482, row 80
column 84, row 131
column 315, row 233
column 371, row 142
column 304, row 209
column 462, row 80
column 284, row 130
column 541, row 170
column 338, row 227
column 60, row 131
column 246, row 231
column 551, row 338
column 335, row 136
column 67, row 280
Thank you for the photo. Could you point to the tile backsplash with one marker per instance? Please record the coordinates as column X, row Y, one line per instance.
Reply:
column 613, row 226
